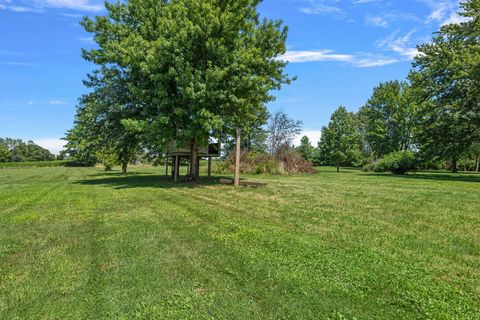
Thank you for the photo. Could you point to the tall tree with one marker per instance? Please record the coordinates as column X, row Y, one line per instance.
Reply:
column 341, row 141
column 306, row 149
column 388, row 118
column 282, row 130
column 447, row 75
column 196, row 68
column 107, row 121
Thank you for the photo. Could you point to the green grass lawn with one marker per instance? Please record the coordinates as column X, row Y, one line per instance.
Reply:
column 79, row 243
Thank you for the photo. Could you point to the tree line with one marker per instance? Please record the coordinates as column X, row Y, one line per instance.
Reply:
column 190, row 70
column 434, row 114
column 17, row 150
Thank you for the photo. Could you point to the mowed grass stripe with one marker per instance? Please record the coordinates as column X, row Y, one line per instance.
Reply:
column 329, row 245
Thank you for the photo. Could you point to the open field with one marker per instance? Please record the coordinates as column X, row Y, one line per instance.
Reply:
column 79, row 243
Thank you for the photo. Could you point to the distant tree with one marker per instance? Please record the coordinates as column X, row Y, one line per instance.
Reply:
column 17, row 150
column 447, row 76
column 306, row 149
column 341, row 141
column 3, row 153
column 254, row 138
column 388, row 119
column 63, row 155
column 282, row 130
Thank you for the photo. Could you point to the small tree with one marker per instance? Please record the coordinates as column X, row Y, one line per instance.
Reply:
column 306, row 149
column 282, row 131
column 341, row 141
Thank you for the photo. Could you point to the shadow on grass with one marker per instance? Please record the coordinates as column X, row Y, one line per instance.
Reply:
column 453, row 177
column 134, row 180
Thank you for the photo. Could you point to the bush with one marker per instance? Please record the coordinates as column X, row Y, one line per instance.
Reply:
column 397, row 162
column 288, row 162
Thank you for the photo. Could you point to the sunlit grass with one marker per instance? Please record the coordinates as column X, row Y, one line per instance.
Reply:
column 79, row 243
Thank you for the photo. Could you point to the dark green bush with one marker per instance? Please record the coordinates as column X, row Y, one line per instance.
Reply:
column 397, row 162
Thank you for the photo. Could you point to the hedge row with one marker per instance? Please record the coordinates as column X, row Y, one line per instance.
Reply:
column 43, row 164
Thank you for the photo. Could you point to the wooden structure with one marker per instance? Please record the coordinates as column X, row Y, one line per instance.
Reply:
column 244, row 183
column 177, row 152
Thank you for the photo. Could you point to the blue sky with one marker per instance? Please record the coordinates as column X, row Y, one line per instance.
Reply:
column 339, row 50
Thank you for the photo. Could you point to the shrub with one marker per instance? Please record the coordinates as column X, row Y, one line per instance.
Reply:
column 288, row 162
column 397, row 162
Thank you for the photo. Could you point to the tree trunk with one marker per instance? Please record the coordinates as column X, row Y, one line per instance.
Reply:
column 209, row 167
column 477, row 167
column 237, row 158
column 124, row 167
column 454, row 165
column 176, row 171
column 338, row 166
column 194, row 160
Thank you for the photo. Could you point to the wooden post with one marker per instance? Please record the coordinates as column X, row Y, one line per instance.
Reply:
column 198, row 167
column 237, row 158
column 166, row 167
column 209, row 167
column 177, row 168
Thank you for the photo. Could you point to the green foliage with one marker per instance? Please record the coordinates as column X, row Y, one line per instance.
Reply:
column 3, row 153
column 306, row 149
column 254, row 139
column 399, row 162
column 388, row 118
column 447, row 78
column 16, row 150
column 192, row 68
column 108, row 158
column 340, row 143
column 470, row 159
column 106, row 128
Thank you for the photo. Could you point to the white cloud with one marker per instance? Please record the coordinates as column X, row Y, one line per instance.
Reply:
column 313, row 135
column 81, row 5
column 377, row 21
column 7, row 5
column 323, row 7
column 315, row 55
column 87, row 40
column 30, row 103
column 399, row 44
column 364, row 1
column 56, row 102
column 360, row 60
column 54, row 145
column 444, row 11
column 455, row 18
column 40, row 5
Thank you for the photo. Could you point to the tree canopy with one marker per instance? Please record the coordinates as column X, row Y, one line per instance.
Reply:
column 447, row 74
column 192, row 69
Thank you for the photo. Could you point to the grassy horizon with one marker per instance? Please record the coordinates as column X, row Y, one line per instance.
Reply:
column 80, row 243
